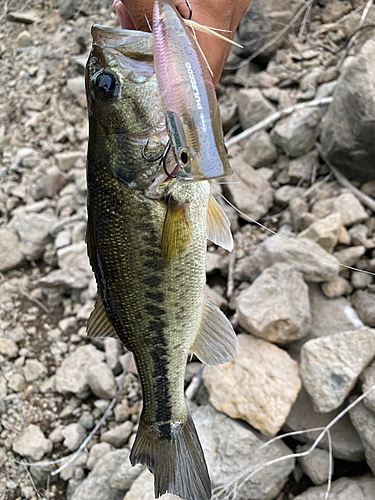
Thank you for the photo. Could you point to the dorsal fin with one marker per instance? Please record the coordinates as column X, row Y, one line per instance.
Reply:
column 98, row 324
column 216, row 341
column 176, row 231
column 218, row 226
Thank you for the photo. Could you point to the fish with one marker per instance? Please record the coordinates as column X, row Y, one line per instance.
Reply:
column 188, row 97
column 146, row 240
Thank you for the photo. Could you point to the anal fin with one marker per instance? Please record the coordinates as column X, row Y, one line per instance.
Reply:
column 98, row 324
column 216, row 341
column 218, row 226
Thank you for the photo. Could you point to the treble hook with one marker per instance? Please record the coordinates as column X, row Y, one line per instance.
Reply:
column 190, row 9
column 161, row 158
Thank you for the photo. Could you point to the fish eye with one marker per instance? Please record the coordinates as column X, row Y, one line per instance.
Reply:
column 107, row 85
column 183, row 157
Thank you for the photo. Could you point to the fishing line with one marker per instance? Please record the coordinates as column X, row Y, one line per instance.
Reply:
column 292, row 241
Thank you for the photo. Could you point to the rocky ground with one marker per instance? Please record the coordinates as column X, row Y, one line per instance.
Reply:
column 305, row 324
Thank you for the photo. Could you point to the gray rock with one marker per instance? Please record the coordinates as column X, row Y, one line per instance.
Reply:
column 337, row 287
column 23, row 17
column 56, row 435
column 331, row 365
column 315, row 464
column 71, row 375
column 259, row 150
column 125, row 475
column 16, row 382
column 68, row 8
column 325, row 231
column 24, row 39
column 97, row 484
column 350, row 256
column 121, row 412
column 96, row 452
column 34, row 231
column 346, row 444
column 119, row 435
column 361, row 488
column 69, row 159
column 348, row 128
column 317, row 266
column 297, row 134
column 367, row 379
column 48, row 186
column 113, row 350
column 261, row 23
column 364, row 303
column 34, row 369
column 8, row 348
column 276, row 305
column 259, row 385
column 31, row 443
column 74, row 435
column 301, row 167
column 101, row 380
column 76, row 86
column 86, row 420
column 143, row 487
column 230, row 447
column 253, row 194
column 361, row 280
column 364, row 423
column 285, row 194
column 10, row 250
column 252, row 107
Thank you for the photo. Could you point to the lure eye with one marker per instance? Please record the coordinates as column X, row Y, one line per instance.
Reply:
column 107, row 86
column 183, row 157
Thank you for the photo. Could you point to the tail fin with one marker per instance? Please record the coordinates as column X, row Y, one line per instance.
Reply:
column 174, row 455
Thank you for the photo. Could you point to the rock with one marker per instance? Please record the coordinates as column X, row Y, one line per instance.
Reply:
column 68, row 8
column 34, row 369
column 56, row 435
column 276, row 305
column 301, row 167
column 285, row 194
column 16, row 382
column 367, row 379
column 8, row 348
column 10, row 251
column 259, row 385
column 113, row 350
column 143, row 487
column 315, row 465
column 331, row 365
column 74, row 435
column 253, row 194
column 71, row 375
column 101, row 380
column 86, row 420
column 364, row 303
column 346, row 444
column 337, row 287
column 119, row 435
column 325, row 231
column 348, row 128
column 252, row 107
column 297, row 134
column 68, row 159
column 347, row 205
column 23, row 17
column 75, row 269
column 97, row 484
column 31, row 443
column 24, row 39
column 364, row 423
column 76, row 86
column 125, row 475
column 358, row 234
column 259, row 150
column 261, row 24
column 96, row 452
column 369, row 188
column 317, row 266
column 48, row 186
column 34, row 231
column 121, row 412
column 350, row 256
column 361, row 488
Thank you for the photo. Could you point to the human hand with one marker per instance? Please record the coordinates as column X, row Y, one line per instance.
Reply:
column 221, row 14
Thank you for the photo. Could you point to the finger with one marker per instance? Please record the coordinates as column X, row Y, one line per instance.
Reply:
column 124, row 19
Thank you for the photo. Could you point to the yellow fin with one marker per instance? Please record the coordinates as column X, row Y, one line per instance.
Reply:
column 216, row 341
column 98, row 324
column 218, row 226
column 176, row 231
column 210, row 31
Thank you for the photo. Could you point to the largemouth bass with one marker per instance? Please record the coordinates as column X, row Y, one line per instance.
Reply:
column 188, row 98
column 146, row 239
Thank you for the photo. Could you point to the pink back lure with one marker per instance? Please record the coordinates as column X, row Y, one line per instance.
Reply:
column 188, row 97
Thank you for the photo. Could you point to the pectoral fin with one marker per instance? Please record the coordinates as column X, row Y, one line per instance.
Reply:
column 176, row 231
column 216, row 341
column 218, row 226
column 98, row 324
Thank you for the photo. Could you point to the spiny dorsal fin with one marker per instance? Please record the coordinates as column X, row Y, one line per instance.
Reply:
column 176, row 231
column 216, row 341
column 98, row 324
column 218, row 226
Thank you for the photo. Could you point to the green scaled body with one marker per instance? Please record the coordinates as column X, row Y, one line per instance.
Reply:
column 146, row 239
